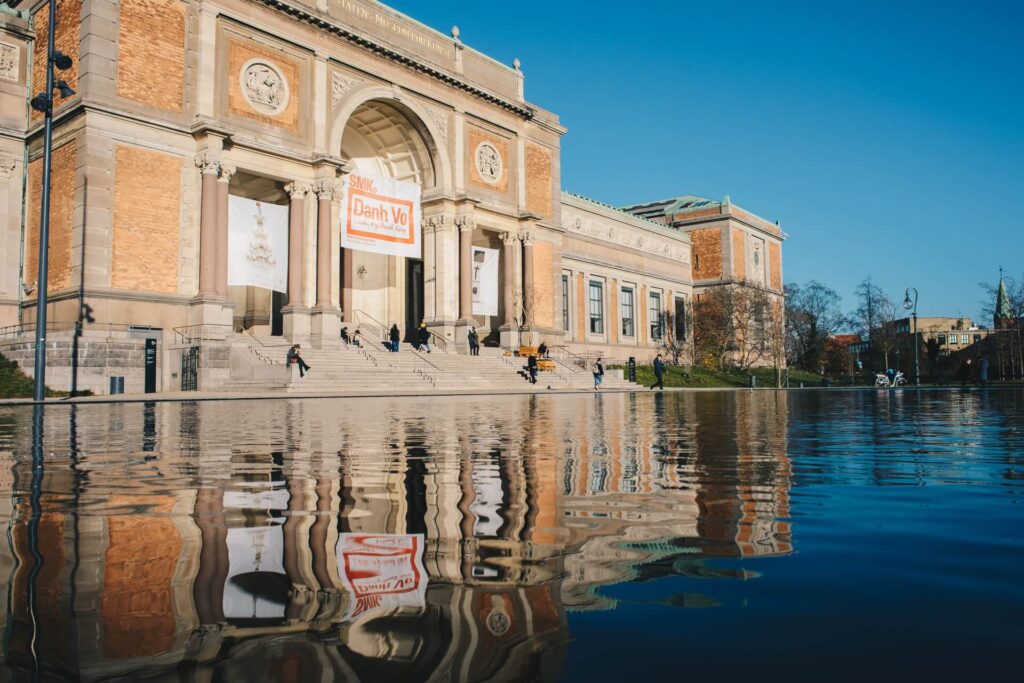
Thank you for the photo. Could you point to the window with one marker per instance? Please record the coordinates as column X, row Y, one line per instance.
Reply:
column 565, row 302
column 627, row 312
column 680, row 319
column 655, row 315
column 596, row 307
column 965, row 339
column 942, row 339
column 977, row 338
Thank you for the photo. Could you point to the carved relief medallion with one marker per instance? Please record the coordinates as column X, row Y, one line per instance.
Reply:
column 264, row 87
column 488, row 162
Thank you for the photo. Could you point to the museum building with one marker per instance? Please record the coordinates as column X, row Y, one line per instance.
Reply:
column 207, row 142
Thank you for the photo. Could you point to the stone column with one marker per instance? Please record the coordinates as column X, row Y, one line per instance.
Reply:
column 466, row 225
column 508, row 287
column 528, row 280
column 208, row 228
column 223, row 183
column 295, row 314
column 346, row 286
column 324, row 320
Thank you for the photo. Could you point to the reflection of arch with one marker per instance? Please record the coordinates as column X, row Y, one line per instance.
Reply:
column 383, row 126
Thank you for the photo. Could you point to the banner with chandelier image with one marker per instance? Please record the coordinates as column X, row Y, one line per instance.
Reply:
column 485, row 281
column 257, row 244
column 381, row 215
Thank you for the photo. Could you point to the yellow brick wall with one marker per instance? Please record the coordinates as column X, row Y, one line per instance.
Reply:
column 147, row 233
column 62, row 208
column 69, row 20
column 538, row 180
column 151, row 52
column 238, row 54
column 707, row 253
column 739, row 254
column 543, row 283
column 476, row 136
column 775, row 263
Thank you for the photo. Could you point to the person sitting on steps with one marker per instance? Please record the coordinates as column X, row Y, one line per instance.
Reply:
column 357, row 339
column 344, row 336
column 294, row 357
column 423, row 336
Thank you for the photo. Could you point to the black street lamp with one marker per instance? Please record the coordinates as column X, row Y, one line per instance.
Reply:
column 43, row 102
column 912, row 305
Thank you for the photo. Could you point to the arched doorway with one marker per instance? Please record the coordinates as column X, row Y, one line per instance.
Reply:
column 384, row 138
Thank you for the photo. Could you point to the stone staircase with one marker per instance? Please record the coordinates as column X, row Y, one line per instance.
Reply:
column 372, row 369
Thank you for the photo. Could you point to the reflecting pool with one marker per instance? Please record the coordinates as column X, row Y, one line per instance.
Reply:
column 817, row 536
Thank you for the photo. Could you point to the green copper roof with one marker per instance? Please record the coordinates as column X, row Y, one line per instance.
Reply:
column 1003, row 309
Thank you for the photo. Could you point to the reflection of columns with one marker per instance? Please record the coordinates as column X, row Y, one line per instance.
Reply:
column 466, row 225
column 324, row 195
column 208, row 227
column 208, row 588
column 528, row 290
column 508, row 258
column 223, row 183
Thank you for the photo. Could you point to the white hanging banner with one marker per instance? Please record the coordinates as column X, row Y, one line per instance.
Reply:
column 382, row 571
column 381, row 215
column 257, row 244
column 485, row 281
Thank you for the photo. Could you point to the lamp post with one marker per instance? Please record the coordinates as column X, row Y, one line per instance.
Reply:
column 43, row 102
column 912, row 305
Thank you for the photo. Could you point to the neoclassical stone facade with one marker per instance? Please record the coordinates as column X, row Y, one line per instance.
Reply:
column 181, row 104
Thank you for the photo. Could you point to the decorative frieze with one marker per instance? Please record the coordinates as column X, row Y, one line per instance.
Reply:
column 440, row 119
column 10, row 60
column 341, row 84
column 623, row 236
column 264, row 86
column 7, row 166
column 437, row 223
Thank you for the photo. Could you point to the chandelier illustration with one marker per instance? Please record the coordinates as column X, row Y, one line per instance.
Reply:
column 260, row 251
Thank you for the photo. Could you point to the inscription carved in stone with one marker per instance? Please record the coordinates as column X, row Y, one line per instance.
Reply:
column 264, row 87
column 9, row 61
column 488, row 162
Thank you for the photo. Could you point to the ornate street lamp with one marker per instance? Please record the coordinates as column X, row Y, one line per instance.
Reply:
column 912, row 305
column 43, row 102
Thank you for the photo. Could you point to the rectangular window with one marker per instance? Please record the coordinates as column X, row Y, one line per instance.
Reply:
column 655, row 315
column 680, row 320
column 942, row 340
column 565, row 302
column 965, row 339
column 977, row 338
column 627, row 312
column 596, row 307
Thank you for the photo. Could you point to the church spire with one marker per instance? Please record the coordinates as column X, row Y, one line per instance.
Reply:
column 1003, row 311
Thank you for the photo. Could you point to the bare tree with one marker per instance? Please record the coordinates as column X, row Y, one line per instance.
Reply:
column 732, row 327
column 812, row 316
column 873, row 318
column 1010, row 334
column 674, row 337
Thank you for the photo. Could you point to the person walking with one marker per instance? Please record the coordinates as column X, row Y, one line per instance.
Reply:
column 394, row 335
column 598, row 374
column 474, row 342
column 423, row 336
column 659, row 373
column 531, row 366
column 294, row 357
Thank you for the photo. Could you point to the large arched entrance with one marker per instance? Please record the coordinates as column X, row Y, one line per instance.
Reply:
column 385, row 138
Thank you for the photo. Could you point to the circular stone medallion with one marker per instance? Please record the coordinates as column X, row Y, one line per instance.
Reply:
column 264, row 87
column 488, row 162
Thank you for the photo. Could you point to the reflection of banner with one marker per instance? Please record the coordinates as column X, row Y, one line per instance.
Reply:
column 256, row 586
column 381, row 215
column 486, row 508
column 485, row 281
column 382, row 570
column 257, row 244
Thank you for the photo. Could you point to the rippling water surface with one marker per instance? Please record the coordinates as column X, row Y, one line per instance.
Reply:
column 729, row 536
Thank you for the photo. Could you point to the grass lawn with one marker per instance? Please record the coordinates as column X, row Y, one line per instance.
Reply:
column 676, row 376
column 16, row 384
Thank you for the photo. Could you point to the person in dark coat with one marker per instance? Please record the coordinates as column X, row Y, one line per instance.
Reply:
column 423, row 337
column 659, row 373
column 394, row 335
column 294, row 357
column 598, row 370
column 543, row 350
column 474, row 342
column 531, row 366
column 344, row 336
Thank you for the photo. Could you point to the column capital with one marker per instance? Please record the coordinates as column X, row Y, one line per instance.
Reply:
column 325, row 189
column 509, row 238
column 437, row 223
column 526, row 238
column 226, row 171
column 297, row 190
column 207, row 163
column 465, row 223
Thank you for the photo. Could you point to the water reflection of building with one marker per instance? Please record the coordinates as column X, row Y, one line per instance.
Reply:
column 221, row 549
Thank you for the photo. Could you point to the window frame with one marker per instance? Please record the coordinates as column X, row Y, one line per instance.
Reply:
column 631, row 290
column 655, row 322
column 598, row 286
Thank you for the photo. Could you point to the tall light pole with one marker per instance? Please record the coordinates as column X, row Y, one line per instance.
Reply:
column 43, row 102
column 912, row 305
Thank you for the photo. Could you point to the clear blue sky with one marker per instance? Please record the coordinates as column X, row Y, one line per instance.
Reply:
column 888, row 137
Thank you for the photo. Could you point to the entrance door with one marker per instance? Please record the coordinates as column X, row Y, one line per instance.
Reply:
column 276, row 318
column 413, row 297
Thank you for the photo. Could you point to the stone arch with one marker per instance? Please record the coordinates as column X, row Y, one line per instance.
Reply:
column 384, row 100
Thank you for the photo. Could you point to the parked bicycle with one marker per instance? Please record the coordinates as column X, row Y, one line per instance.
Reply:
column 898, row 380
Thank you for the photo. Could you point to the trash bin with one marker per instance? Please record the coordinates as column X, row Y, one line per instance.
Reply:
column 117, row 385
column 632, row 368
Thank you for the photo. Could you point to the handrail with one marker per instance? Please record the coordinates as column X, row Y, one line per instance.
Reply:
column 189, row 339
column 441, row 344
column 381, row 327
column 583, row 361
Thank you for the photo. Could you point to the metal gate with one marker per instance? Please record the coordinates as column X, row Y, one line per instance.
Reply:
column 190, row 369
